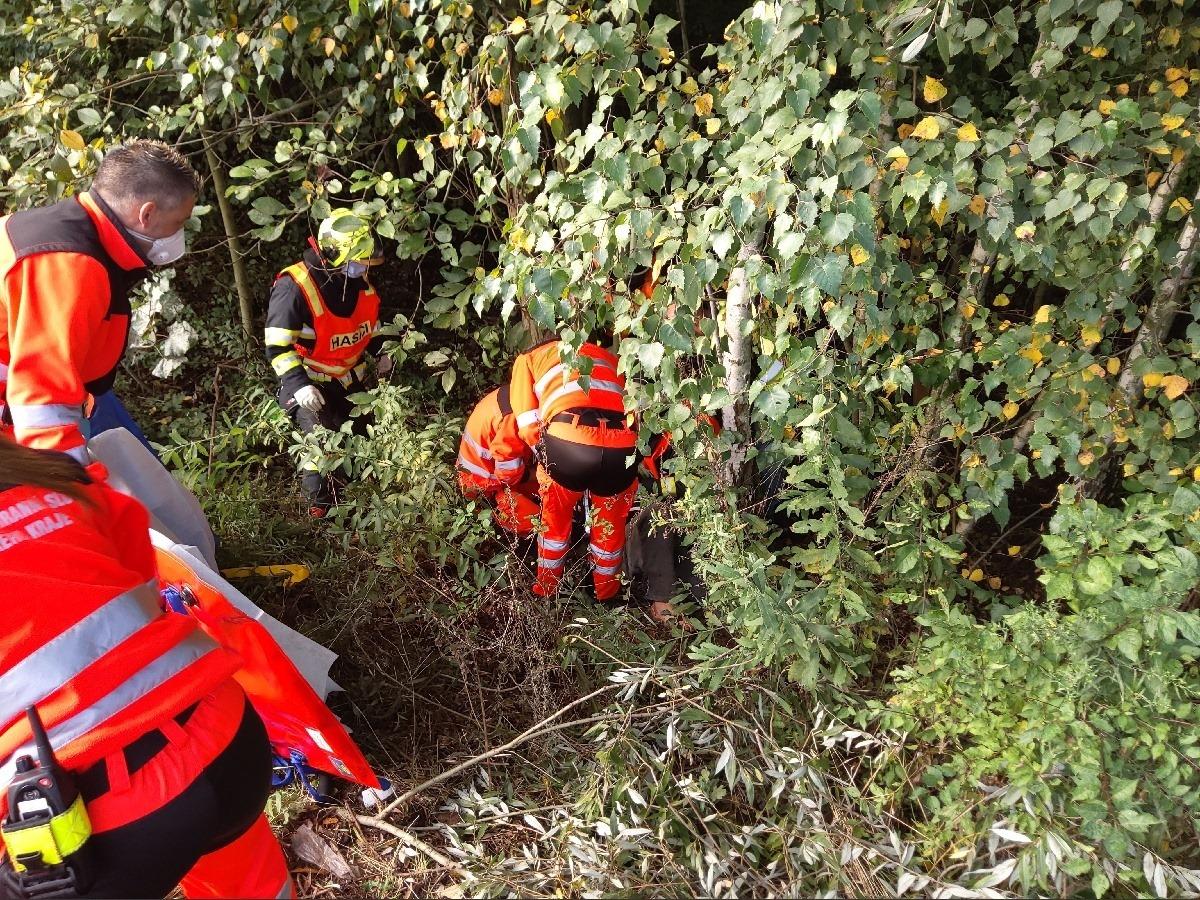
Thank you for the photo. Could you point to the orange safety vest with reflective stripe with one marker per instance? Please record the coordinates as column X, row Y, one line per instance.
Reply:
column 490, row 452
column 83, row 635
column 339, row 342
column 542, row 387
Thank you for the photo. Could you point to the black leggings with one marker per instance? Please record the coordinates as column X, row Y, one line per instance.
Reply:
column 603, row 471
column 149, row 856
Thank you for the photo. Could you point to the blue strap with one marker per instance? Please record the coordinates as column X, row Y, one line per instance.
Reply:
column 294, row 768
column 173, row 597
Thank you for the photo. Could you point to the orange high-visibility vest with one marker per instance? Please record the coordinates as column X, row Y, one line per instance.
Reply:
column 542, row 387
column 339, row 341
column 83, row 635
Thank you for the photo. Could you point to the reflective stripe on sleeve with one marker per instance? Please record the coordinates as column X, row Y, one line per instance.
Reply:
column 474, row 469
column 542, row 383
column 508, row 465
column 483, row 452
column 46, row 415
column 63, row 658
column 285, row 362
column 526, row 419
column 281, row 337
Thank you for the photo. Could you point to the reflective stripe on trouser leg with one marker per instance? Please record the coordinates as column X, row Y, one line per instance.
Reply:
column 609, row 516
column 558, row 506
column 251, row 866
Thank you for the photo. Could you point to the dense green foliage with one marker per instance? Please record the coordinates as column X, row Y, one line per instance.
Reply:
column 966, row 659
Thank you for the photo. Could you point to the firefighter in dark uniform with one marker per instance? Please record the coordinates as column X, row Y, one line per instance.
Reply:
column 322, row 323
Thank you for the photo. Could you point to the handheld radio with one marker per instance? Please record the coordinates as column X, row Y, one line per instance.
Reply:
column 47, row 829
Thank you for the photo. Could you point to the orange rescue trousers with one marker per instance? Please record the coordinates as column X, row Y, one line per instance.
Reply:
column 597, row 460
column 183, row 805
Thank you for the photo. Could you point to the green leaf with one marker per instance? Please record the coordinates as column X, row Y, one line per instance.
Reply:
column 836, row 228
column 828, row 272
column 651, row 356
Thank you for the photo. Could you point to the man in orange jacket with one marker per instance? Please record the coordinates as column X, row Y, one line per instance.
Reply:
column 585, row 449
column 493, row 463
column 66, row 272
column 171, row 764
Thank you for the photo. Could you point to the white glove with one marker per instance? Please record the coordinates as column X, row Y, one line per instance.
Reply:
column 310, row 398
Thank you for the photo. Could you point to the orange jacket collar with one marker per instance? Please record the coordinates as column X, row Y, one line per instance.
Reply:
column 112, row 233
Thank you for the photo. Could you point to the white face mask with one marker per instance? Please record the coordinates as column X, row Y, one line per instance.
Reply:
column 164, row 251
column 355, row 269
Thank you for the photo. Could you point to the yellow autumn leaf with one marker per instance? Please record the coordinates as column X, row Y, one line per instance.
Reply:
column 328, row 45
column 1033, row 354
column 927, row 129
column 904, row 132
column 968, row 133
column 1014, row 550
column 858, row 255
column 938, row 213
column 448, row 140
column 1129, row 469
column 1086, row 458
column 1010, row 409
column 1183, row 204
column 1154, row 88
column 1170, row 123
column 1097, row 52
column 1169, row 37
column 242, row 39
column 1106, row 106
column 934, row 90
column 1174, row 74
column 495, row 96
column 712, row 126
column 879, row 59
column 977, row 205
column 1042, row 316
column 289, row 24
column 1090, row 334
column 1152, row 179
column 1196, row 474
column 551, row 115
column 968, row 311
column 1168, row 430
column 704, row 104
column 1152, row 379
column 976, row 575
column 517, row 25
column 1113, row 365
column 900, row 163
column 994, row 583
column 72, row 140
column 689, row 87
column 1178, row 88
column 1174, row 386
column 1122, row 90
column 1001, row 300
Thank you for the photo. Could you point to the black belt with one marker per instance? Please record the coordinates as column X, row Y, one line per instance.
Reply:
column 93, row 781
column 593, row 417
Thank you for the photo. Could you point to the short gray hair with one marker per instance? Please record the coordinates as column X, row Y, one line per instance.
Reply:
column 143, row 170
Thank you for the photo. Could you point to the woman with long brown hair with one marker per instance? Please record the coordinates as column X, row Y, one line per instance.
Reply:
column 166, row 765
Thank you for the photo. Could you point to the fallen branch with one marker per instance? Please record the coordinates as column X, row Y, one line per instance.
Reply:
column 534, row 731
column 405, row 838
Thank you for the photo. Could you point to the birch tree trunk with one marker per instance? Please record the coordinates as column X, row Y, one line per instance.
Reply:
column 1155, row 328
column 737, row 358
